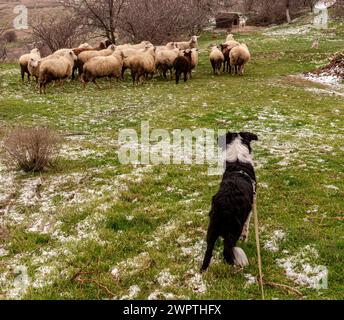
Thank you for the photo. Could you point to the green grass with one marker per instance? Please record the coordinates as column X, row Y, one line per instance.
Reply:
column 101, row 213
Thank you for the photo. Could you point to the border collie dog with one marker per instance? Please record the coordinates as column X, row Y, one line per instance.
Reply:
column 232, row 205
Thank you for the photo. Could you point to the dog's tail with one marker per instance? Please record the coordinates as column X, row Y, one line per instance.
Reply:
column 240, row 258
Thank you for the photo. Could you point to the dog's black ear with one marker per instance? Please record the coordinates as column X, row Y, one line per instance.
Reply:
column 224, row 141
column 247, row 136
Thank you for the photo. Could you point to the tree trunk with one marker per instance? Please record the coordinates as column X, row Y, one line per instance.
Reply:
column 287, row 11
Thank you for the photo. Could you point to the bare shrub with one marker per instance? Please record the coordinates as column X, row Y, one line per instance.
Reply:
column 102, row 15
column 338, row 11
column 10, row 36
column 32, row 149
column 59, row 30
column 160, row 21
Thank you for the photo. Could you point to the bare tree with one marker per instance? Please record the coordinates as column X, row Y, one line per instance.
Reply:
column 59, row 31
column 3, row 42
column 103, row 15
column 162, row 20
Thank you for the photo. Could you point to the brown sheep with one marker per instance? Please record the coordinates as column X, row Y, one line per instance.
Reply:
column 182, row 64
column 226, row 49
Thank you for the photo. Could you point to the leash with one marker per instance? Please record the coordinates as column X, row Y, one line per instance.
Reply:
column 256, row 225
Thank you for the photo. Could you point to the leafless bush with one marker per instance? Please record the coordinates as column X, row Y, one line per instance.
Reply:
column 338, row 11
column 60, row 30
column 162, row 20
column 102, row 15
column 3, row 50
column 10, row 36
column 32, row 149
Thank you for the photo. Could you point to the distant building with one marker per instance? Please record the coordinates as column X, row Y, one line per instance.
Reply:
column 227, row 20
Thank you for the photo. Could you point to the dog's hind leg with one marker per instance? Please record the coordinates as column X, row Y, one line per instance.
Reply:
column 211, row 240
column 228, row 253
column 246, row 230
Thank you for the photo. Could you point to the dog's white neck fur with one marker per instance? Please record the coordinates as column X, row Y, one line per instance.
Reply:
column 237, row 151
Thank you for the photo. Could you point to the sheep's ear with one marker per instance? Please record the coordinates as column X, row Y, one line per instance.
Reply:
column 247, row 136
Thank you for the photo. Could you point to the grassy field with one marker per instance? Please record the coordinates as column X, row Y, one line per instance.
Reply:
column 92, row 228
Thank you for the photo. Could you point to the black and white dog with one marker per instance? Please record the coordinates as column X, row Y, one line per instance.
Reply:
column 232, row 205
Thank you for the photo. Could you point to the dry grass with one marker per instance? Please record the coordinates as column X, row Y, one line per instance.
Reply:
column 32, row 149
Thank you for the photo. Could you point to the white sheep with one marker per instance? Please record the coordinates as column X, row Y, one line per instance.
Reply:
column 192, row 44
column 24, row 62
column 85, row 56
column 85, row 46
column 141, row 45
column 128, row 53
column 142, row 64
column 56, row 68
column 216, row 59
column 100, row 67
column 230, row 37
column 239, row 57
column 194, row 59
column 33, row 67
column 165, row 60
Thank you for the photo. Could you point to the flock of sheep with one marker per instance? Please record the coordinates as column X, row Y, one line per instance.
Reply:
column 143, row 59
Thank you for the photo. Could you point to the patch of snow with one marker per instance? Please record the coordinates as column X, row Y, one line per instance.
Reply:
column 134, row 291
column 273, row 244
column 301, row 270
column 332, row 187
column 195, row 282
column 131, row 266
column 159, row 295
column 324, row 78
column 251, row 280
column 166, row 279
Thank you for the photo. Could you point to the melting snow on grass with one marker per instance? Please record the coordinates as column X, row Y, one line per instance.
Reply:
column 273, row 243
column 302, row 269
column 131, row 266
column 166, row 279
column 195, row 282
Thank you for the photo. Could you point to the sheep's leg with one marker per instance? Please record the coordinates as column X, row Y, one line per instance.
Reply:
column 177, row 77
column 123, row 71
column 186, row 76
column 242, row 70
column 22, row 72
column 95, row 82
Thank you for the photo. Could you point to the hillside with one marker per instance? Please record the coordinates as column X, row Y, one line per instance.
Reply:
column 93, row 228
